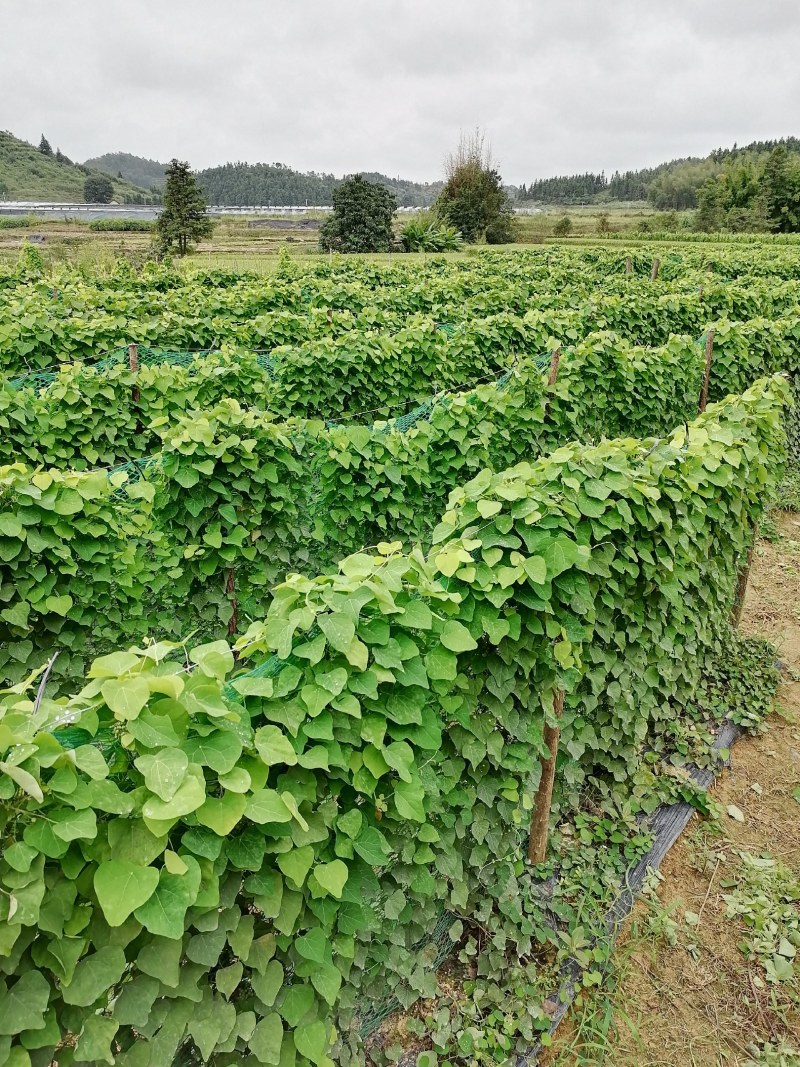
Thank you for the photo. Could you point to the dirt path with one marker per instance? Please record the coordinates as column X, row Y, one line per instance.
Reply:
column 699, row 1001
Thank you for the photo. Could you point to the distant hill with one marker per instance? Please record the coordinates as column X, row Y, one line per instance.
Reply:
column 670, row 186
column 146, row 173
column 28, row 174
column 275, row 183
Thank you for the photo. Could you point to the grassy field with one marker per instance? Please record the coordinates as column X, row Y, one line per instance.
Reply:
column 237, row 245
column 27, row 174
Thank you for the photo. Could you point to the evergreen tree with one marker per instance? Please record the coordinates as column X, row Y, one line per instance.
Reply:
column 782, row 191
column 44, row 147
column 183, row 220
column 363, row 213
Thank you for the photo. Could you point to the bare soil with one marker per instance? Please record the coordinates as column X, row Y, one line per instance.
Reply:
column 700, row 1003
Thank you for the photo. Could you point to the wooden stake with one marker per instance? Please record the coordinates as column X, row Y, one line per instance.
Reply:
column 540, row 817
column 741, row 583
column 555, row 359
column 230, row 589
column 133, row 363
column 706, row 377
column 628, row 265
column 654, row 271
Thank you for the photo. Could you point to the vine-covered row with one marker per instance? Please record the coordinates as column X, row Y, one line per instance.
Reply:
column 246, row 856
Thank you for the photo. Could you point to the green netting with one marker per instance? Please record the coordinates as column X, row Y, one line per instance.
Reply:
column 147, row 357
column 268, row 363
column 137, row 470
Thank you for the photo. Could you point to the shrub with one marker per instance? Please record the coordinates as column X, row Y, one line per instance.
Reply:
column 563, row 227
column 502, row 230
column 363, row 213
column 426, row 234
column 122, row 225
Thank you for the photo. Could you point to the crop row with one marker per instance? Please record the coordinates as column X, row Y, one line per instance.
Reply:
column 258, row 850
column 45, row 323
column 84, row 416
column 236, row 498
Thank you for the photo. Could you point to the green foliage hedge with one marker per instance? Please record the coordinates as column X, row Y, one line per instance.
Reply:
column 245, row 856
column 65, row 316
column 84, row 416
column 236, row 498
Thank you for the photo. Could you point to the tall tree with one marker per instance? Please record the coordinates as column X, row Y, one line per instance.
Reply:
column 782, row 190
column 44, row 147
column 98, row 189
column 183, row 220
column 363, row 213
column 473, row 199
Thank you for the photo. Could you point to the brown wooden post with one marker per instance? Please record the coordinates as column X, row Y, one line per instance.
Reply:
column 555, row 360
column 628, row 265
column 741, row 582
column 654, row 271
column 133, row 363
column 230, row 589
column 700, row 292
column 707, row 375
column 540, row 817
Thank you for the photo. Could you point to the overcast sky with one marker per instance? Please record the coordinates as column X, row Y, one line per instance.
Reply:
column 346, row 85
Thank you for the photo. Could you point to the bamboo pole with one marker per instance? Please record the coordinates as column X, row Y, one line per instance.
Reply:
column 540, row 816
column 707, row 375
column 555, row 359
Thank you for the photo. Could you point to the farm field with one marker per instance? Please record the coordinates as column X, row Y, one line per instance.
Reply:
column 305, row 577
column 239, row 245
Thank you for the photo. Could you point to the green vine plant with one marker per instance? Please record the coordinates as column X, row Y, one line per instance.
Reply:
column 236, row 498
column 222, row 863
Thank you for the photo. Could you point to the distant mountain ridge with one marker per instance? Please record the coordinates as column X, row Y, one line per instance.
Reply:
column 146, row 173
column 275, row 183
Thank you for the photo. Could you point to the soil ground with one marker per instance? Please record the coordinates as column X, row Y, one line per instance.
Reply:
column 700, row 1003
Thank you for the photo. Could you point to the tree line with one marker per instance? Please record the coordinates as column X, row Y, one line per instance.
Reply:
column 275, row 183
column 671, row 186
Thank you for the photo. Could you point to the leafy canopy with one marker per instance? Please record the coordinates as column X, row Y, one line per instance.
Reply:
column 98, row 189
column 363, row 213
column 473, row 199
